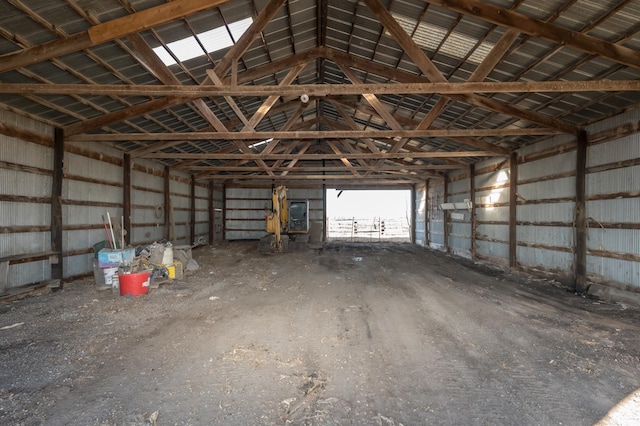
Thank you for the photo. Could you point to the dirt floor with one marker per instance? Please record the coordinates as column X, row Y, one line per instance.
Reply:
column 385, row 334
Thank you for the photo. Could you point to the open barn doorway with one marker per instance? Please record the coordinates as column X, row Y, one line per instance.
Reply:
column 368, row 215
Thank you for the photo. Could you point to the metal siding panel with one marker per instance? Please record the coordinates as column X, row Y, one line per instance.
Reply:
column 459, row 186
column 495, row 250
column 547, row 259
column 90, row 168
column 252, row 201
column 623, row 210
column 497, row 232
column 500, row 214
column 614, row 240
column 622, row 271
column 29, row 273
column 550, row 235
column 618, row 210
column 612, row 181
column 624, row 148
column 552, row 165
column 556, row 188
column 617, row 121
column 556, row 212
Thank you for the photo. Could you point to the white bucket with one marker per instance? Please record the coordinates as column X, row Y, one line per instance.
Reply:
column 109, row 275
column 167, row 257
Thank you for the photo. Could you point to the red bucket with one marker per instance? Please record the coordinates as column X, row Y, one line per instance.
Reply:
column 134, row 284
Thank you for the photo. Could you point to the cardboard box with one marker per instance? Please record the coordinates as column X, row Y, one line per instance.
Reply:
column 110, row 258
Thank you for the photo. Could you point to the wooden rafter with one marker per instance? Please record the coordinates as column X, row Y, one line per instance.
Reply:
column 553, row 33
column 434, row 75
column 104, row 32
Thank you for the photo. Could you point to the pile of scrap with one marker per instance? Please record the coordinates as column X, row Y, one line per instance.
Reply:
column 162, row 261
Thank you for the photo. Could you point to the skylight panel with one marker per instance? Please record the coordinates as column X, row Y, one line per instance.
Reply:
column 212, row 41
column 457, row 45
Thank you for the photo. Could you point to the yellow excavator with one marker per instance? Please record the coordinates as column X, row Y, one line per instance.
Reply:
column 287, row 222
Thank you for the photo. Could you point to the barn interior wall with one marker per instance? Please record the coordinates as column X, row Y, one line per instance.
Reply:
column 245, row 209
column 93, row 185
column 435, row 215
column 459, row 220
column 25, row 199
column 420, row 214
column 545, row 212
column 612, row 204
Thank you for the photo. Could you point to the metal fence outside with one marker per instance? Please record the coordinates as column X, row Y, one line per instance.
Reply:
column 368, row 229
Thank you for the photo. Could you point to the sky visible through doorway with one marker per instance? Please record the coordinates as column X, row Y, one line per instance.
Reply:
column 366, row 204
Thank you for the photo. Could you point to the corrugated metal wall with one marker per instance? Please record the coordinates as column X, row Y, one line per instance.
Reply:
column 435, row 216
column 421, row 215
column 546, row 205
column 245, row 209
column 25, row 196
column 492, row 210
column 180, row 190
column 459, row 190
column 613, row 205
column 147, row 202
column 92, row 186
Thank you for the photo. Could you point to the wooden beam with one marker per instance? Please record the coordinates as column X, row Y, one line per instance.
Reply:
column 257, row 26
column 481, row 72
column 167, row 201
column 553, row 33
column 104, row 32
column 445, row 215
column 223, row 228
column 311, row 134
column 321, row 90
column 192, row 211
column 221, row 69
column 126, row 197
column 211, row 213
column 317, row 157
column 325, row 177
column 426, row 213
column 580, row 262
column 425, row 65
column 474, row 219
column 25, row 135
column 413, row 214
column 513, row 205
column 57, row 228
column 306, row 169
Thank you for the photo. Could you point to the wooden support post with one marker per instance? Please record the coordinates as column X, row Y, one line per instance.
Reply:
column 167, row 202
column 324, row 211
column 580, row 263
column 126, row 198
column 472, row 198
column 192, row 221
column 212, row 214
column 426, row 213
column 57, row 272
column 445, row 216
column 223, row 229
column 513, row 205
column 413, row 214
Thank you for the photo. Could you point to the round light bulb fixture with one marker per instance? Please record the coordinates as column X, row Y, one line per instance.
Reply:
column 304, row 98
